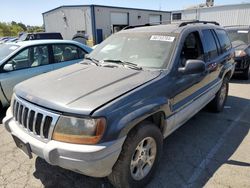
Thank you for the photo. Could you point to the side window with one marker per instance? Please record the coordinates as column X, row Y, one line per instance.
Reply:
column 223, row 39
column 192, row 48
column 209, row 45
column 64, row 52
column 30, row 57
column 41, row 56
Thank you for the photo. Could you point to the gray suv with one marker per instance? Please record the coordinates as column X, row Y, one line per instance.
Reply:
column 108, row 115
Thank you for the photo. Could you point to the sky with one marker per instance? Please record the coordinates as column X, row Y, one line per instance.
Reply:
column 30, row 12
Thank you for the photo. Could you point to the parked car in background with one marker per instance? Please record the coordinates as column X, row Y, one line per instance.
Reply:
column 40, row 36
column 108, row 115
column 22, row 60
column 240, row 37
column 4, row 39
column 13, row 39
column 80, row 37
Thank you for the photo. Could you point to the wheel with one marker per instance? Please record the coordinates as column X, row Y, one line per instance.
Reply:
column 217, row 104
column 245, row 73
column 139, row 157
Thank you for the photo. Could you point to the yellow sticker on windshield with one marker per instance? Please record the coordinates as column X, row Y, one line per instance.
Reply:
column 162, row 38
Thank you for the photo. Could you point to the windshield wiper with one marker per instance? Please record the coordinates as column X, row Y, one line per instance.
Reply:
column 129, row 64
column 95, row 61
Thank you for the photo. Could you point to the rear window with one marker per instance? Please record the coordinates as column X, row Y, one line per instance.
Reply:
column 48, row 36
column 223, row 39
column 40, row 36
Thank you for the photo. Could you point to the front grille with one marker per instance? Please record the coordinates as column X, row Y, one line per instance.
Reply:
column 35, row 120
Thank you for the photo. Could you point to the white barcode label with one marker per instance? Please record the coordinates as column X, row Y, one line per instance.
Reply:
column 162, row 38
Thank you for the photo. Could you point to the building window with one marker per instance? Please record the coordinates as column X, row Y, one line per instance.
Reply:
column 176, row 16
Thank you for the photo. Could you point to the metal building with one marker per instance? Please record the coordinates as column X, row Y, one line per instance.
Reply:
column 96, row 21
column 238, row 14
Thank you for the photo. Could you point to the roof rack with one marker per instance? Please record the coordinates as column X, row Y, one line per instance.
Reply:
column 147, row 24
column 134, row 26
column 198, row 21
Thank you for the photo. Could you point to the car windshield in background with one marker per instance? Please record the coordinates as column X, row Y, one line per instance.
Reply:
column 6, row 49
column 239, row 35
column 23, row 37
column 149, row 50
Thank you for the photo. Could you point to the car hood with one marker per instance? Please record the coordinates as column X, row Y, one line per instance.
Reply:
column 81, row 88
column 239, row 45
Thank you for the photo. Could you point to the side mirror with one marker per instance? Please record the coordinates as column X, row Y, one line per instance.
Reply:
column 8, row 67
column 193, row 67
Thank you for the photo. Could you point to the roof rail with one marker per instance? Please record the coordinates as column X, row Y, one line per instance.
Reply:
column 198, row 21
column 147, row 24
column 134, row 26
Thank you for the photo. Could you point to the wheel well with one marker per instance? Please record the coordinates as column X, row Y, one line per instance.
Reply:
column 157, row 119
column 228, row 75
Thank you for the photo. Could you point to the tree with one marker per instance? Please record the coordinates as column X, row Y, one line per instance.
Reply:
column 22, row 26
column 13, row 28
column 5, row 29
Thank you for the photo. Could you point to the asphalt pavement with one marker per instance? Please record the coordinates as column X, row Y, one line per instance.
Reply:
column 210, row 150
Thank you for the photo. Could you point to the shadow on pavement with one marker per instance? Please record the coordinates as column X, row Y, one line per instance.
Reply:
column 183, row 152
column 2, row 114
column 53, row 176
column 237, row 79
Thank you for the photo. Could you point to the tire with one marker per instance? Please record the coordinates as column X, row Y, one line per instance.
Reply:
column 217, row 104
column 1, row 107
column 125, row 171
column 245, row 73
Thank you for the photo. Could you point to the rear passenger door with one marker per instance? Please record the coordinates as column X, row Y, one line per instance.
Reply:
column 66, row 54
column 225, row 51
column 217, row 51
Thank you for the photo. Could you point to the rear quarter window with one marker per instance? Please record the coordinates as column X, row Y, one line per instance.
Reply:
column 225, row 43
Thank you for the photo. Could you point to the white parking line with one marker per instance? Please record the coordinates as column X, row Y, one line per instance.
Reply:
column 214, row 150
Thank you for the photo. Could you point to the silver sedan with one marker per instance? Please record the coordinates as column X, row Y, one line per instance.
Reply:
column 22, row 60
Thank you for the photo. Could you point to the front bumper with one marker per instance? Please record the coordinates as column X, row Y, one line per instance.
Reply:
column 90, row 160
column 241, row 64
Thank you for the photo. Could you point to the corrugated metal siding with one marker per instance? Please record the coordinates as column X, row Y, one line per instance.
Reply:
column 77, row 19
column 225, row 15
column 136, row 17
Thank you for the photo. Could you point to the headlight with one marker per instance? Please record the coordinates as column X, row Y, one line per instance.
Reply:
column 79, row 130
column 240, row 53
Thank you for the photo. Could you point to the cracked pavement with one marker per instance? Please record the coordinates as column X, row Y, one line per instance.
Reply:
column 210, row 150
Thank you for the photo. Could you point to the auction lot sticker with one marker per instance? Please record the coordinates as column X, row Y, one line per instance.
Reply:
column 162, row 38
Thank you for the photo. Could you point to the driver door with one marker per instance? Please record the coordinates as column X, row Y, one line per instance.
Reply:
column 189, row 87
column 25, row 64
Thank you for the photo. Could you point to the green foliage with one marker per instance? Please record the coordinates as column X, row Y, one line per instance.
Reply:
column 14, row 28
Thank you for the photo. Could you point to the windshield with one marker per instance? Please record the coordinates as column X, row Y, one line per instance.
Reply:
column 238, row 35
column 148, row 50
column 6, row 49
column 23, row 37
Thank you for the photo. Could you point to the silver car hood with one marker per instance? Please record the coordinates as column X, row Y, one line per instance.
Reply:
column 81, row 88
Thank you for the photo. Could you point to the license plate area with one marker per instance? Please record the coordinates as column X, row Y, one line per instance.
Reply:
column 25, row 147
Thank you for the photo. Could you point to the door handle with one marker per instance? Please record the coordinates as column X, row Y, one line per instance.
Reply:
column 212, row 66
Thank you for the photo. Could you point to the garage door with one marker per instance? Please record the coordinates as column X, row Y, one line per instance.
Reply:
column 119, row 18
column 154, row 18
